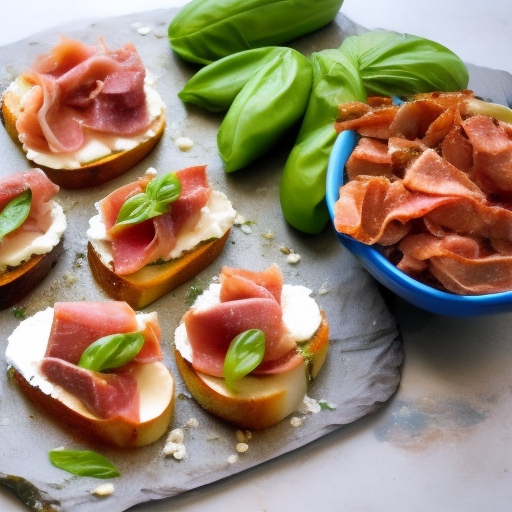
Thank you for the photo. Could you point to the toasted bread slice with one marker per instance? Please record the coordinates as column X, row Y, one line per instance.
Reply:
column 93, row 173
column 153, row 281
column 262, row 400
column 19, row 281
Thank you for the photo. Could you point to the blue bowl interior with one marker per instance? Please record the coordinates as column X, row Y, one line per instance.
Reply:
column 401, row 284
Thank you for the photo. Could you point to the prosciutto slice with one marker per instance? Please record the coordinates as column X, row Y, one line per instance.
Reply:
column 445, row 212
column 135, row 246
column 104, row 395
column 78, row 324
column 78, row 88
column 211, row 330
column 43, row 190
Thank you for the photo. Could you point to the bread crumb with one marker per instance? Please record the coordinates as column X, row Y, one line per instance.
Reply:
column 103, row 490
column 232, row 459
column 184, row 143
column 242, row 447
column 295, row 421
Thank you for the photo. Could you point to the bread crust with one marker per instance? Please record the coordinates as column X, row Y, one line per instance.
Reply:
column 111, row 431
column 18, row 282
column 264, row 400
column 91, row 174
column 154, row 281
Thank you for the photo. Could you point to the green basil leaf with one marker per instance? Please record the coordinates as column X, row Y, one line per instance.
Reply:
column 83, row 463
column 244, row 354
column 157, row 199
column 111, row 351
column 15, row 213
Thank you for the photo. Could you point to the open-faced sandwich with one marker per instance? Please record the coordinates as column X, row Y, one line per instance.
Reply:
column 31, row 229
column 152, row 235
column 84, row 114
column 249, row 346
column 97, row 368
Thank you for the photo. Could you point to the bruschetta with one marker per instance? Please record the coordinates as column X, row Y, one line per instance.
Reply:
column 128, row 403
column 84, row 114
column 32, row 225
column 142, row 261
column 296, row 339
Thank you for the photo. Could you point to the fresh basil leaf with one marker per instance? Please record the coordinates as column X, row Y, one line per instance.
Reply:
column 244, row 354
column 157, row 199
column 83, row 463
column 111, row 351
column 15, row 213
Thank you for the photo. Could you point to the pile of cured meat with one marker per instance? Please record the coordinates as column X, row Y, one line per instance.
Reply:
column 430, row 181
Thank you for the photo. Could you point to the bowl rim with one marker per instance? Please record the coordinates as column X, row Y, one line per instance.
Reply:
column 343, row 147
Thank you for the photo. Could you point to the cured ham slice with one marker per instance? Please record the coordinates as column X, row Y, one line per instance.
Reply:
column 78, row 324
column 135, row 246
column 210, row 330
column 104, row 395
column 370, row 158
column 77, row 88
column 374, row 123
column 445, row 213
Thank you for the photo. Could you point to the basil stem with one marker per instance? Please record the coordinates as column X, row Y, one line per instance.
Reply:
column 111, row 351
column 83, row 463
column 15, row 213
column 244, row 354
column 157, row 199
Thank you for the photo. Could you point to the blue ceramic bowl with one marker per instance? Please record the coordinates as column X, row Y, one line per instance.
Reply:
column 386, row 273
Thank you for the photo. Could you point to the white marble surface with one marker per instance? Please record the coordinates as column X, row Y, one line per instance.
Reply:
column 444, row 442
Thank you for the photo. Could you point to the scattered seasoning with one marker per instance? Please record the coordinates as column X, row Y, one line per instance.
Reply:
column 79, row 259
column 193, row 293
column 293, row 258
column 269, row 235
column 242, row 447
column 285, row 250
column 295, row 421
column 184, row 143
column 103, row 490
column 18, row 312
column 324, row 404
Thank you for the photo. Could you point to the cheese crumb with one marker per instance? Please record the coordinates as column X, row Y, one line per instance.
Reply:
column 184, row 143
column 242, row 447
column 174, row 445
column 103, row 490
column 239, row 219
column 232, row 459
column 192, row 422
column 295, row 421
column 310, row 405
column 293, row 258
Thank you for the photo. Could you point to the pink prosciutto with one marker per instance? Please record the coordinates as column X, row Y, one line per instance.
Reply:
column 79, row 88
column 247, row 302
column 135, row 246
column 43, row 190
column 445, row 211
column 78, row 324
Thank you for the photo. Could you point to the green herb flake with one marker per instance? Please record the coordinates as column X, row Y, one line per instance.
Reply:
column 324, row 404
column 244, row 354
column 83, row 463
column 193, row 293
column 18, row 312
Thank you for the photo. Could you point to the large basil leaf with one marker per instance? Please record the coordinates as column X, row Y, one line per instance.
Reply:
column 15, row 213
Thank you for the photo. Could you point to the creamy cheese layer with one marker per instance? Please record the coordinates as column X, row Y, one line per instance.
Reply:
column 97, row 145
column 301, row 314
column 217, row 216
column 21, row 247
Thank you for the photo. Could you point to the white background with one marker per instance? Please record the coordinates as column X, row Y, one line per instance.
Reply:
column 480, row 32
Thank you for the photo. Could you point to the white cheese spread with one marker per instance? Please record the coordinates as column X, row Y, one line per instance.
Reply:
column 301, row 314
column 216, row 218
column 21, row 247
column 96, row 145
